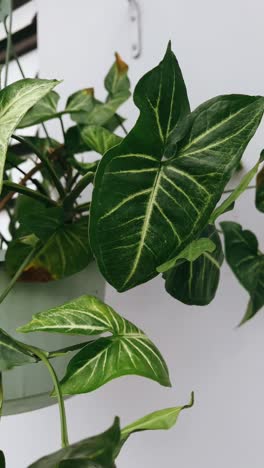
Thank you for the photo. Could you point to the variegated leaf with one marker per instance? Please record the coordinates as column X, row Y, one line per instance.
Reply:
column 127, row 351
column 15, row 100
column 155, row 192
column 43, row 110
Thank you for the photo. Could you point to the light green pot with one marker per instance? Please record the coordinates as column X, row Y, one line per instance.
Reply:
column 27, row 387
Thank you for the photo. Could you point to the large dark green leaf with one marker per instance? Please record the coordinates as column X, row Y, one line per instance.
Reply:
column 247, row 263
column 127, row 351
column 12, row 353
column 195, row 282
column 145, row 208
column 95, row 452
column 15, row 100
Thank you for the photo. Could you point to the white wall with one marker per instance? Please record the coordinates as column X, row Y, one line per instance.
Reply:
column 219, row 46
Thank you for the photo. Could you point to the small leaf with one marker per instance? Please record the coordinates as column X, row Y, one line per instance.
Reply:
column 45, row 109
column 128, row 351
column 229, row 201
column 116, row 81
column 193, row 251
column 12, row 353
column 159, row 420
column 15, row 100
column 100, row 113
column 195, row 282
column 99, row 139
column 95, row 452
column 247, row 263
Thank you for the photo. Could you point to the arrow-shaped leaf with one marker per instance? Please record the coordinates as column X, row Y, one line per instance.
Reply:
column 65, row 251
column 146, row 208
column 15, row 100
column 99, row 139
column 95, row 452
column 195, row 281
column 127, row 351
column 44, row 110
column 247, row 263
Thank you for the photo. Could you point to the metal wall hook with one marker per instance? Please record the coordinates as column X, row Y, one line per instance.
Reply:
column 135, row 18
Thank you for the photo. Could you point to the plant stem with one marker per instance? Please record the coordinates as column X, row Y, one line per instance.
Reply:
column 1, row 394
column 19, row 272
column 9, row 42
column 78, row 189
column 248, row 188
column 18, row 188
column 46, row 162
column 14, row 52
column 121, row 124
column 82, row 207
column 64, row 431
column 62, row 127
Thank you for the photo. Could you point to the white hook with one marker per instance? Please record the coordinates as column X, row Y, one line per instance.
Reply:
column 135, row 18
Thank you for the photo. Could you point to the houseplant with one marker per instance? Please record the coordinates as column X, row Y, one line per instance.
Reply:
column 154, row 209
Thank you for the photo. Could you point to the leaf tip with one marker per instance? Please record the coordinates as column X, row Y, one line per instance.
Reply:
column 121, row 65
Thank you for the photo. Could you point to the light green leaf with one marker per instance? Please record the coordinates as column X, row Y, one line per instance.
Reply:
column 99, row 139
column 95, row 452
column 15, row 100
column 193, row 251
column 12, row 353
column 247, row 263
column 159, row 420
column 146, row 209
column 260, row 188
column 5, row 8
column 127, row 351
column 81, row 101
column 45, row 109
column 195, row 282
column 229, row 201
column 117, row 84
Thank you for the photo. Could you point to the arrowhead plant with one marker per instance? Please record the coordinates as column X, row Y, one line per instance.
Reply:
column 155, row 195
